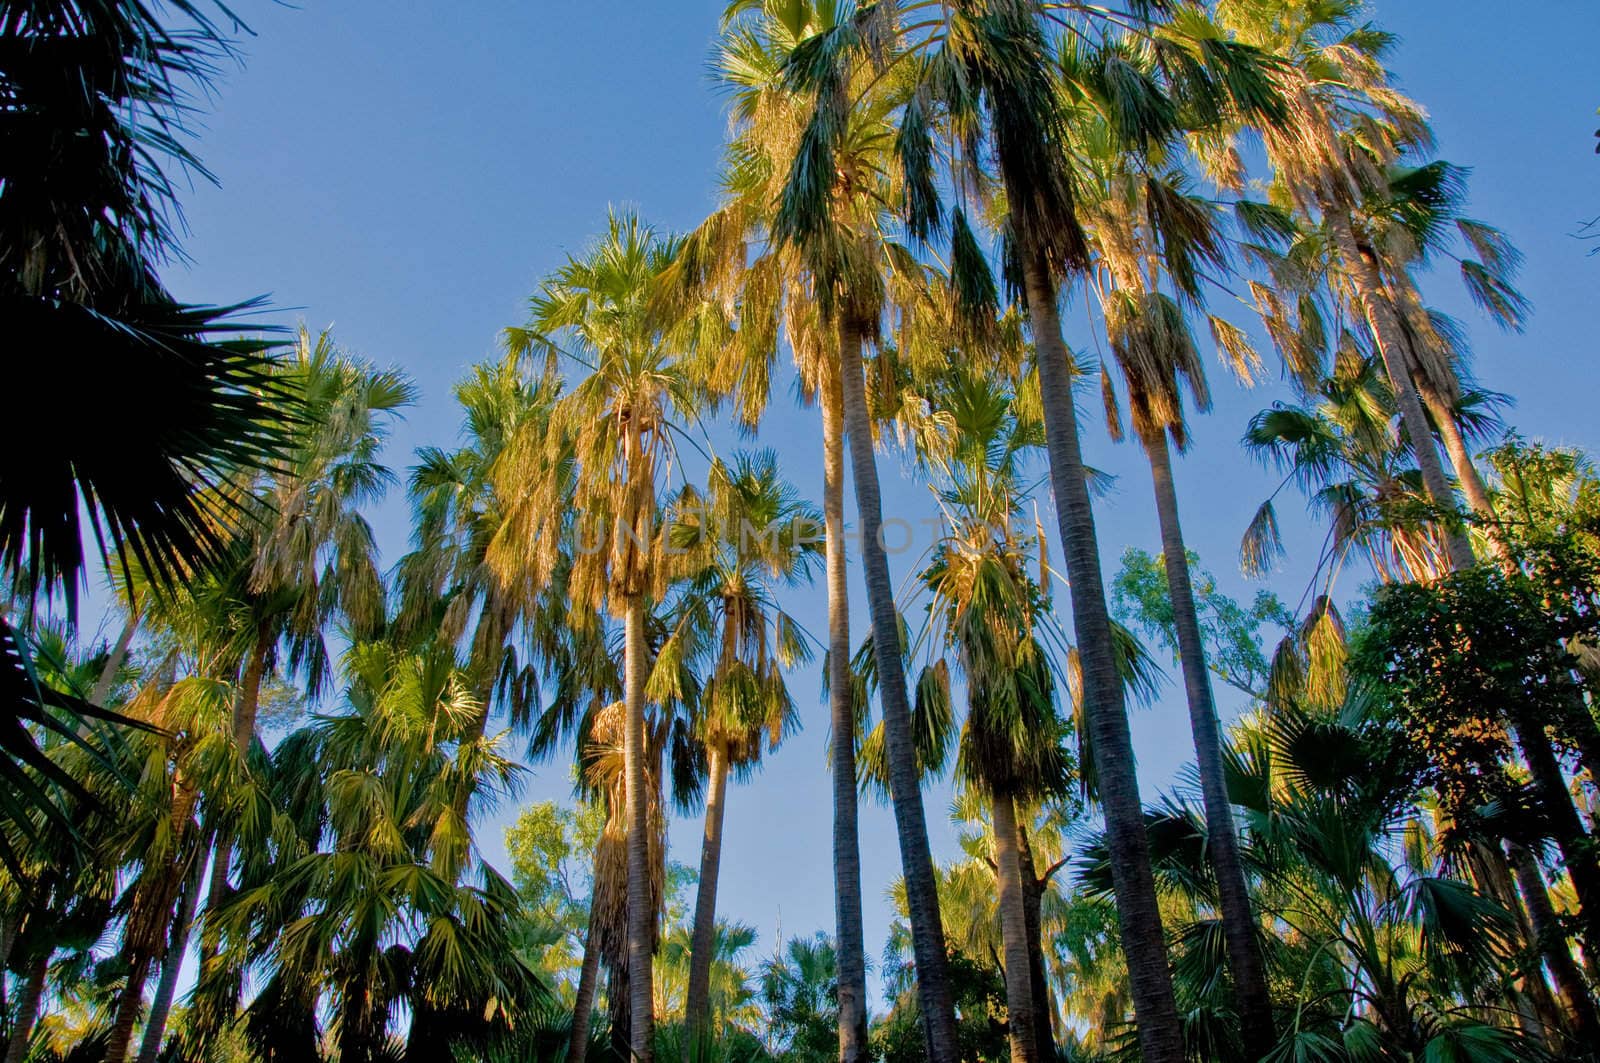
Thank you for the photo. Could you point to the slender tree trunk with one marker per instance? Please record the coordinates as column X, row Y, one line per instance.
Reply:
column 841, row 714
column 583, row 1002
column 916, row 859
column 1530, row 998
column 119, row 654
column 1466, row 470
column 1376, row 307
column 697, row 998
column 167, row 985
column 1020, row 1009
column 1552, row 943
column 28, row 1007
column 245, row 710
column 144, row 935
column 1143, row 939
column 641, row 907
column 1033, row 887
column 1222, row 839
column 129, row 1004
column 1577, row 848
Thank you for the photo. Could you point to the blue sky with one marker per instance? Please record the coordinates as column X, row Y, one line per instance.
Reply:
column 407, row 172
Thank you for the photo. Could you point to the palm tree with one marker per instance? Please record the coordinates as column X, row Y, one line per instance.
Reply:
column 1346, row 125
column 447, row 585
column 730, row 994
column 734, row 253
column 457, row 515
column 745, row 535
column 100, row 94
column 186, row 762
column 834, row 212
column 86, row 218
column 986, row 610
column 311, row 559
column 800, row 990
column 1150, row 339
column 598, row 310
column 363, row 912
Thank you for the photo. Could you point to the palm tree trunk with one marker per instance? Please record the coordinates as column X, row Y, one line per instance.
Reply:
column 1222, row 840
column 1466, row 470
column 28, row 1008
column 1552, row 944
column 1577, row 848
column 119, row 654
column 167, row 985
column 583, row 1002
column 916, row 859
column 1376, row 307
column 1020, row 1009
column 129, row 1004
column 245, row 710
column 149, row 921
column 641, row 909
column 1530, row 995
column 852, row 956
column 1033, row 887
column 1143, row 939
column 697, row 998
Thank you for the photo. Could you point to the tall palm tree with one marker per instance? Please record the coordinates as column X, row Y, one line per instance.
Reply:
column 364, row 912
column 990, row 67
column 1346, row 125
column 746, row 535
column 311, row 558
column 447, row 585
column 835, row 213
column 598, row 310
column 1149, row 337
column 734, row 253
column 987, row 611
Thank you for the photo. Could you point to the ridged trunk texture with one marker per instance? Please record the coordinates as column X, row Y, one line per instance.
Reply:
column 697, row 998
column 1542, row 919
column 916, row 859
column 1021, row 1012
column 155, row 1027
column 1139, row 916
column 641, row 906
column 848, row 927
column 129, row 1004
column 1467, row 475
column 583, row 1002
column 27, row 1008
column 1222, row 839
column 1376, row 307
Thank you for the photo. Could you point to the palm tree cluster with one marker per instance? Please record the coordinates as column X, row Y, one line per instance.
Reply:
column 249, row 826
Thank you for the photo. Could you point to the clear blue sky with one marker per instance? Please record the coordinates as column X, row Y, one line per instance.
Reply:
column 406, row 172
